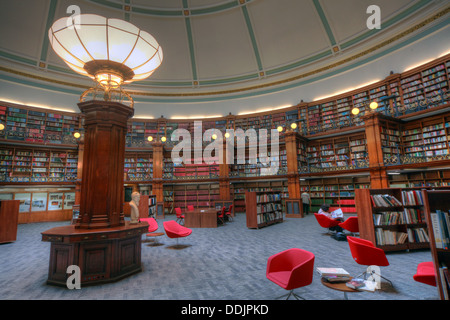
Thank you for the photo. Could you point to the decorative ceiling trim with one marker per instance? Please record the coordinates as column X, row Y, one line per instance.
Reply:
column 50, row 18
column 325, row 23
column 251, row 33
column 190, row 38
column 162, row 12
column 278, row 85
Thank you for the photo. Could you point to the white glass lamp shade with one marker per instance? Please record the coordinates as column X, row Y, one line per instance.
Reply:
column 110, row 51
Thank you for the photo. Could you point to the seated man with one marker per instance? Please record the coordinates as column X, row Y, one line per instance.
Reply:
column 324, row 210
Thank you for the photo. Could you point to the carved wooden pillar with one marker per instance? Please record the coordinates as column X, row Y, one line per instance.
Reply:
column 378, row 176
column 101, row 201
column 158, row 165
column 224, row 176
column 290, row 139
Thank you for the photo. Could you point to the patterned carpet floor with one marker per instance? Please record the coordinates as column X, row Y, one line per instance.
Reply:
column 225, row 263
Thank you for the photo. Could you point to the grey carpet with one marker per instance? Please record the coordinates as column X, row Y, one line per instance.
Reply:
column 227, row 263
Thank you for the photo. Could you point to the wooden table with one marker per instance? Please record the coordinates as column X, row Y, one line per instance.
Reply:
column 339, row 286
column 201, row 218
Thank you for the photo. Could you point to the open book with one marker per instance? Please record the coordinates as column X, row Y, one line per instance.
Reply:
column 337, row 213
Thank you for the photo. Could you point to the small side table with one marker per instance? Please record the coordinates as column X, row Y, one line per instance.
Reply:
column 339, row 286
column 155, row 235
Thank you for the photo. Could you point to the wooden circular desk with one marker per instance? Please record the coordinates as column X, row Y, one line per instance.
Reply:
column 339, row 286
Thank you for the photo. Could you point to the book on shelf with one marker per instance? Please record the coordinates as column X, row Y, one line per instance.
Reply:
column 385, row 200
column 412, row 198
column 440, row 222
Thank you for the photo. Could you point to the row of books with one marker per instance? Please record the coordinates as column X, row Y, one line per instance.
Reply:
column 413, row 197
column 269, row 197
column 385, row 200
column 268, row 207
column 440, row 222
column 269, row 217
column 408, row 216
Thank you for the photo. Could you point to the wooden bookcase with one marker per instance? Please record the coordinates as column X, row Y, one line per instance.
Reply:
column 438, row 200
column 9, row 218
column 385, row 226
column 263, row 209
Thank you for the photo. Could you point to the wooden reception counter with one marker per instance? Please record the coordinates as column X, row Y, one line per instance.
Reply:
column 201, row 218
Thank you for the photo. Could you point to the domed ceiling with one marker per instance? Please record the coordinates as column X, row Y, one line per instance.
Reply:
column 222, row 50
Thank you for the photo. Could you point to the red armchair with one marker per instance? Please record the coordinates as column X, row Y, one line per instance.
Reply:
column 326, row 222
column 426, row 273
column 180, row 216
column 175, row 231
column 291, row 269
column 228, row 213
column 365, row 253
column 152, row 227
column 351, row 224
column 221, row 215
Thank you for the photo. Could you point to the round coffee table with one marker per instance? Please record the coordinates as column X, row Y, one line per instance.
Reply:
column 339, row 286
column 155, row 236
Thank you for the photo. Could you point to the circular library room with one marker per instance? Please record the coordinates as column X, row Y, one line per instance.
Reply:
column 225, row 155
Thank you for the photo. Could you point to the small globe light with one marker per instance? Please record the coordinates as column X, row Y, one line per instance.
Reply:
column 163, row 139
column 150, row 138
column 227, row 135
column 355, row 111
column 214, row 136
column 280, row 128
column 77, row 135
column 294, row 126
column 2, row 126
column 373, row 105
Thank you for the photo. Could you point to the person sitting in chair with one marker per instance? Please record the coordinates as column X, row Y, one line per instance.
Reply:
column 324, row 209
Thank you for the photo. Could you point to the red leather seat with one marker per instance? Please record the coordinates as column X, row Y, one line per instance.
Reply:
column 175, row 231
column 221, row 215
column 190, row 208
column 291, row 269
column 152, row 224
column 351, row 224
column 365, row 253
column 180, row 216
column 426, row 273
column 229, row 214
column 326, row 222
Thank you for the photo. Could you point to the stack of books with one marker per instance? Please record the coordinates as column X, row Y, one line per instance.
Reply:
column 334, row 274
column 385, row 200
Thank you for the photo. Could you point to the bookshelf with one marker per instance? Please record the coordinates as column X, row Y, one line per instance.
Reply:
column 263, row 209
column 200, row 195
column 439, row 229
column 27, row 165
column 337, row 192
column 392, row 219
column 138, row 166
column 238, row 189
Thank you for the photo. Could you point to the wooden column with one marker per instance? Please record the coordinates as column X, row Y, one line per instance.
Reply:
column 290, row 139
column 158, row 164
column 101, row 243
column 224, row 176
column 101, row 202
column 294, row 205
column 378, row 176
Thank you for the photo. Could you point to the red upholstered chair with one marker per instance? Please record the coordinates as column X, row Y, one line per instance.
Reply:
column 180, row 216
column 351, row 224
column 291, row 269
column 426, row 273
column 229, row 214
column 326, row 222
column 190, row 208
column 365, row 253
column 152, row 227
column 175, row 231
column 221, row 215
